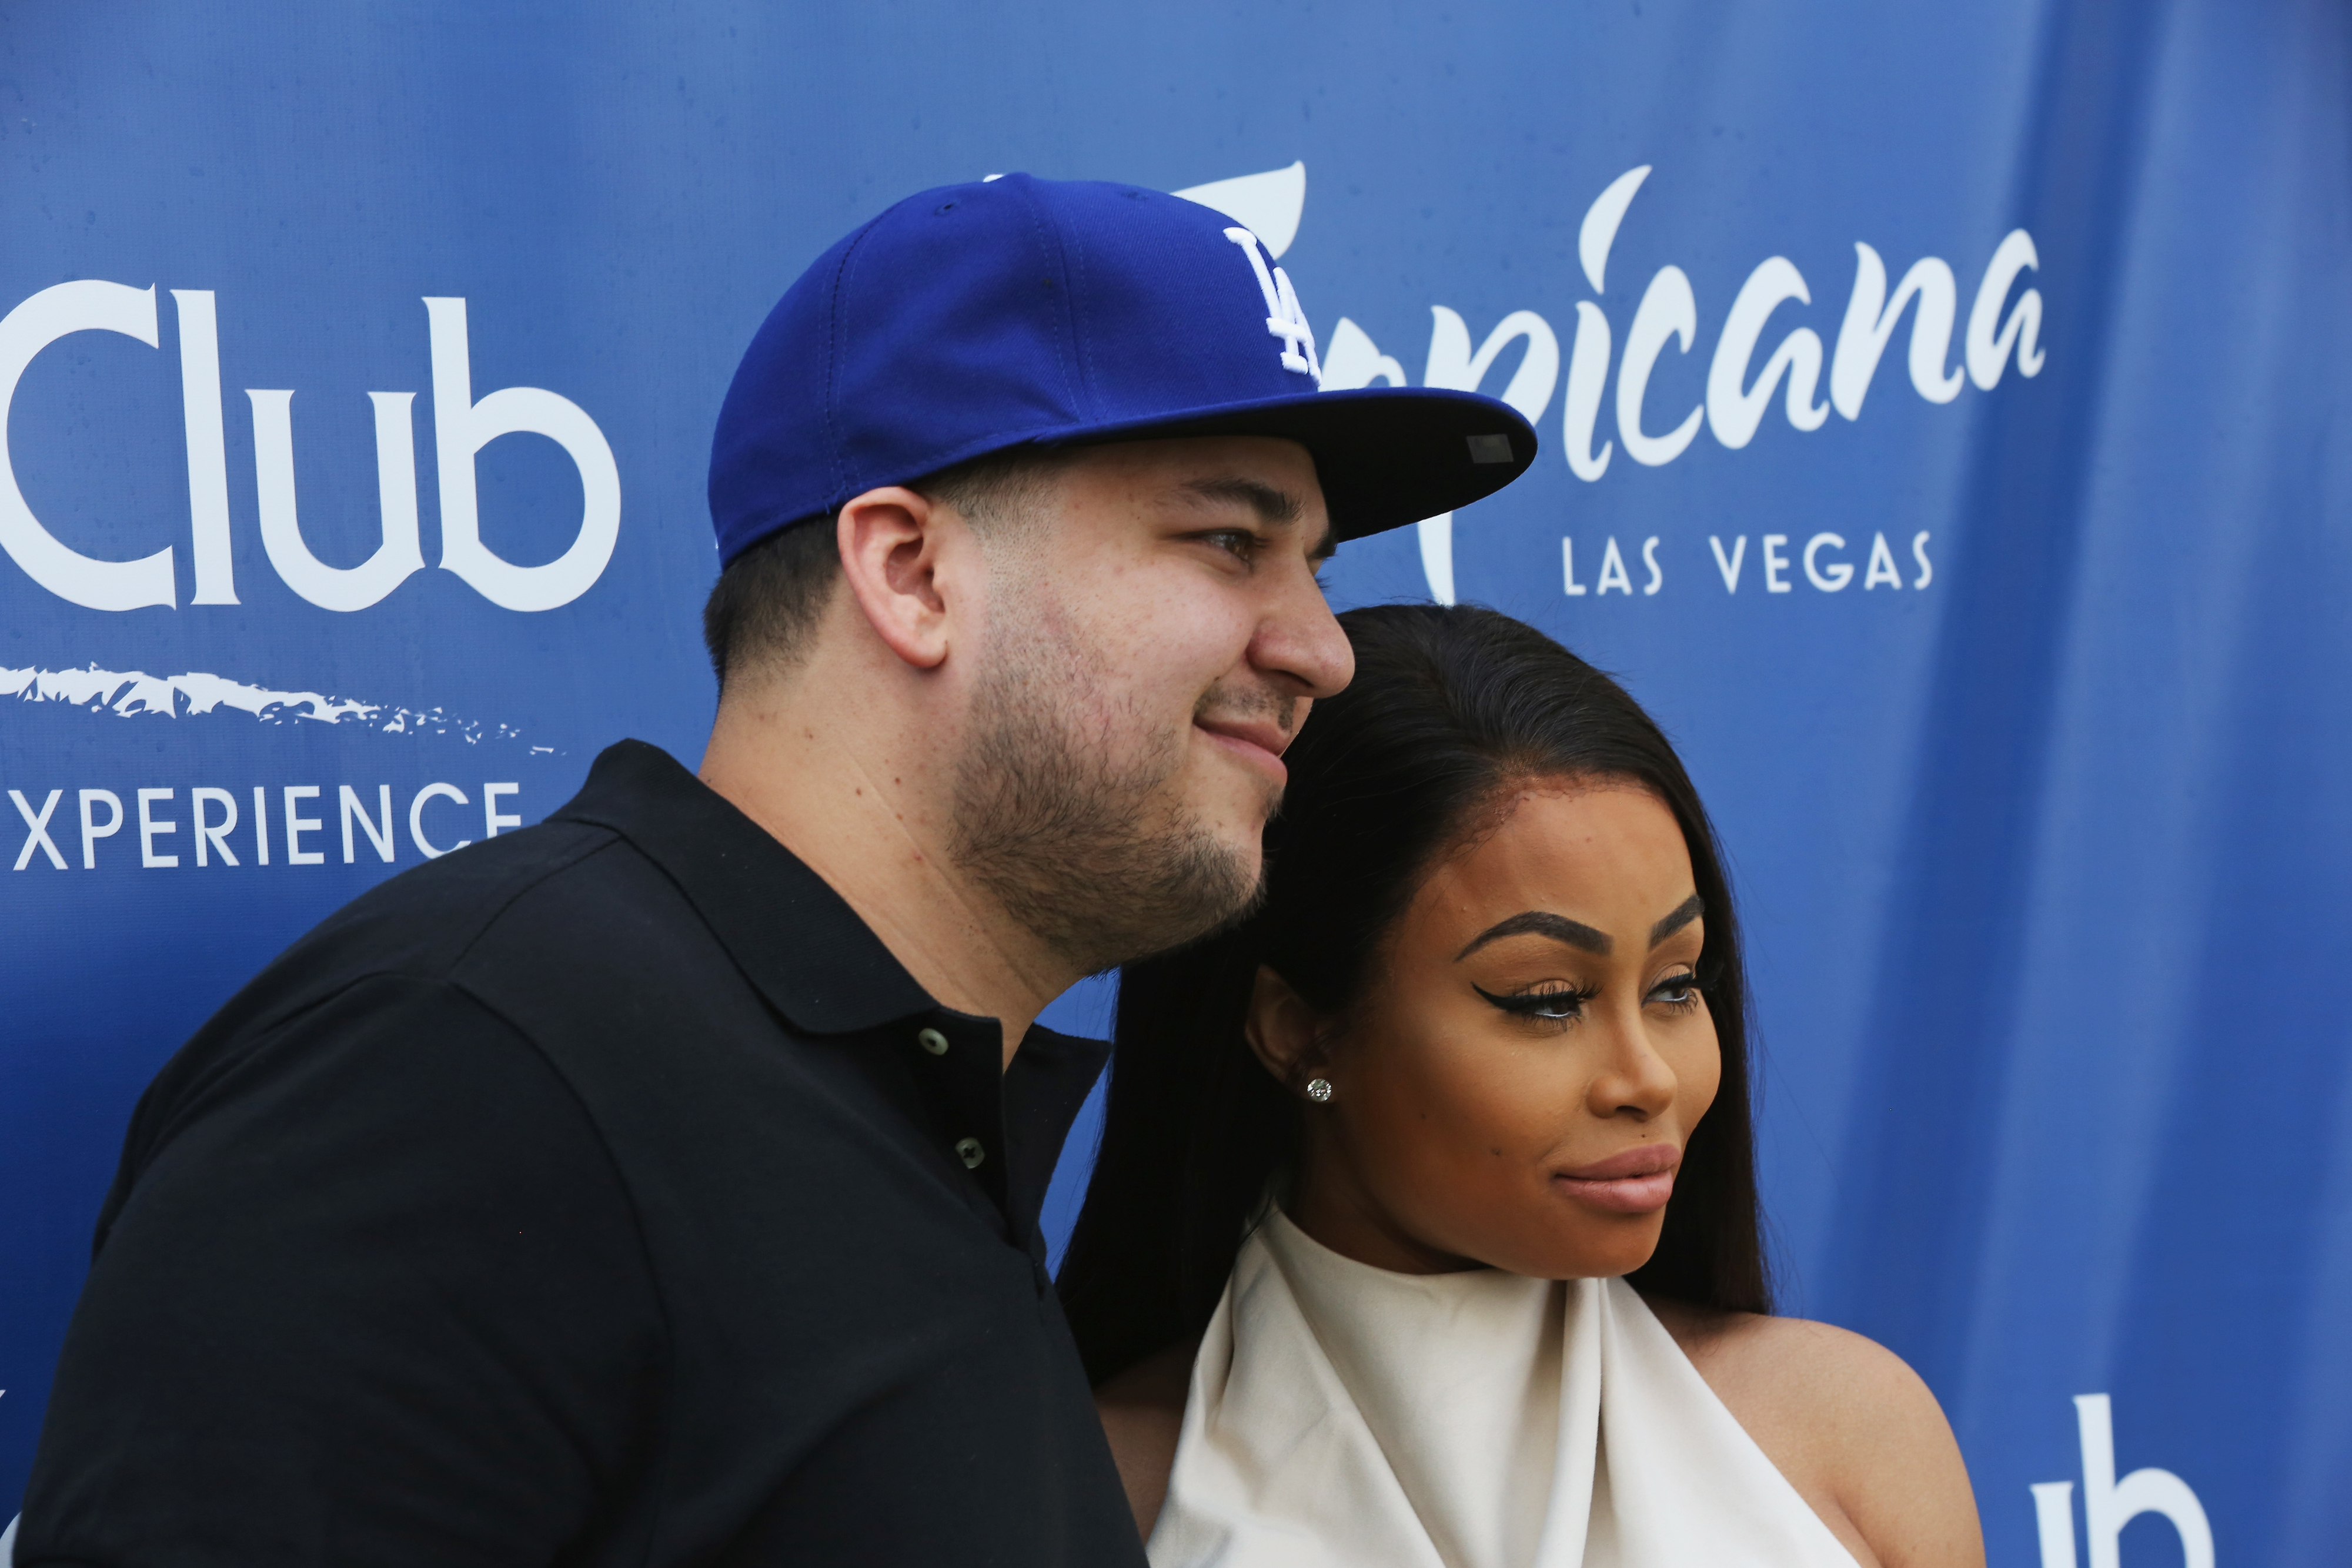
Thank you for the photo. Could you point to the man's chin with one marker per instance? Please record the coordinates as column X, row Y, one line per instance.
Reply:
column 1237, row 809
column 1243, row 847
column 1244, row 853
column 1240, row 909
column 1222, row 884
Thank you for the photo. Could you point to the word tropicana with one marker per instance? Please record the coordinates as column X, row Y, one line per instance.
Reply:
column 1738, row 394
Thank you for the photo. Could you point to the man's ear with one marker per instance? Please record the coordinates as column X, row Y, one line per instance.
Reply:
column 1283, row 1031
column 892, row 541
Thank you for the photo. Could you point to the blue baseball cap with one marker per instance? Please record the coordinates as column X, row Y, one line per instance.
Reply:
column 1018, row 311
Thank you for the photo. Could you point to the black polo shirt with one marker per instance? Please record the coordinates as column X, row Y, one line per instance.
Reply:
column 604, row 1193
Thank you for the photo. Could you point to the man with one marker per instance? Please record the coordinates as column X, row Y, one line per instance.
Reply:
column 659, row 1185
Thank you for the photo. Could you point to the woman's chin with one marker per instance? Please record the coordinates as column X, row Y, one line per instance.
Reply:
column 1589, row 1253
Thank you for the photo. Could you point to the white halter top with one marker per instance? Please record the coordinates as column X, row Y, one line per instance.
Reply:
column 1344, row 1417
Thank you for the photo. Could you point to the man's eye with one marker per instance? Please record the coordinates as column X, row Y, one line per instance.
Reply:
column 1237, row 542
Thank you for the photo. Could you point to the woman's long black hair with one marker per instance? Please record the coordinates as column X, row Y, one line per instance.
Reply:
column 1449, row 707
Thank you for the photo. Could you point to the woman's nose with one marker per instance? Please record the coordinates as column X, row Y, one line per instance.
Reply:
column 1636, row 1080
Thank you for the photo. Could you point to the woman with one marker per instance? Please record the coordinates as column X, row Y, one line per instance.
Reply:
column 1424, row 1226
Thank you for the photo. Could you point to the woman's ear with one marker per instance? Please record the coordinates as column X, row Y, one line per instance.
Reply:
column 1282, row 1029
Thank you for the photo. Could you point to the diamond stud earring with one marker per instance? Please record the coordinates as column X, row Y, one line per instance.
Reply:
column 1319, row 1090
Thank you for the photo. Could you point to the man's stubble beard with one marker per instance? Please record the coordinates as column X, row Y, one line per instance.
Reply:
column 1093, row 854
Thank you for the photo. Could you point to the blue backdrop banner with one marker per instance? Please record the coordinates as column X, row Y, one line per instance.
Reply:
column 1946, row 434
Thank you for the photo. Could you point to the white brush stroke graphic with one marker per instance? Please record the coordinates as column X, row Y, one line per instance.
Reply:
column 129, row 694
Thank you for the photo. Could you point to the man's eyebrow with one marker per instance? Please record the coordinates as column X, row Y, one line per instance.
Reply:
column 1541, row 923
column 1271, row 504
column 1688, row 910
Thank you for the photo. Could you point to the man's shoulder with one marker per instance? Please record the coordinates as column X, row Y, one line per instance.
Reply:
column 568, row 895
column 423, row 922
column 396, row 956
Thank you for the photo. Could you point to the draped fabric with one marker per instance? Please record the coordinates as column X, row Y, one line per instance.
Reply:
column 1340, row 1415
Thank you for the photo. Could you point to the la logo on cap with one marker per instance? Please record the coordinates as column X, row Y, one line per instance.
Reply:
column 1284, row 319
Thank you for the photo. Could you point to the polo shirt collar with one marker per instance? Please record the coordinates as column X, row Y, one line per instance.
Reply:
column 822, row 967
column 791, row 934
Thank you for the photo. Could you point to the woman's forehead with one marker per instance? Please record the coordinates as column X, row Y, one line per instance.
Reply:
column 1600, row 853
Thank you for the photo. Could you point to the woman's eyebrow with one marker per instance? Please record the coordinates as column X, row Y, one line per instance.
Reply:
column 1540, row 923
column 1575, row 933
column 1688, row 910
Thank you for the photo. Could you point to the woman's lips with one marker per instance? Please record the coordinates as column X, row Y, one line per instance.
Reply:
column 1638, row 1181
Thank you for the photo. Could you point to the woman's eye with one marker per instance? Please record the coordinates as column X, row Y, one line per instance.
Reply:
column 1677, row 991
column 1553, row 1005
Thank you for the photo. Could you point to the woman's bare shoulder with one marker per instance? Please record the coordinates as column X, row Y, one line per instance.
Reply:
column 1142, row 1411
column 1852, row 1426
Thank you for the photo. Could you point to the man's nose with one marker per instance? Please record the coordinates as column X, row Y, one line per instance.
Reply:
column 1301, row 639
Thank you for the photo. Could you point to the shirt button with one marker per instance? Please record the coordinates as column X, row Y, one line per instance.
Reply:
column 932, row 1040
column 969, row 1151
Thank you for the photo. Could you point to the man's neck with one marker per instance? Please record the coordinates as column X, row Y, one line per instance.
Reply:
column 862, row 802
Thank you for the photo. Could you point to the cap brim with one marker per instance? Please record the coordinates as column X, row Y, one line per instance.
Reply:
column 1386, row 455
